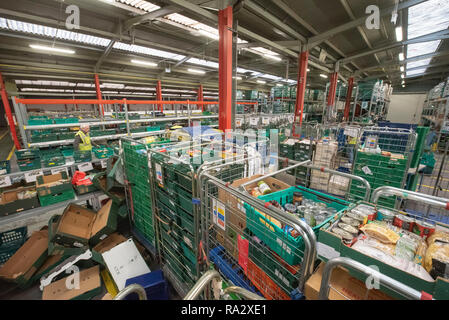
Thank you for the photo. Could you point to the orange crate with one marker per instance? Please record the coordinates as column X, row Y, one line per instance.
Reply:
column 263, row 282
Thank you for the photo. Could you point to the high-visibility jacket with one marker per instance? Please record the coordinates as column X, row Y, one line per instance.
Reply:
column 85, row 139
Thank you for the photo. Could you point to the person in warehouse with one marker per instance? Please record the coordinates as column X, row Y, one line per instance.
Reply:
column 82, row 139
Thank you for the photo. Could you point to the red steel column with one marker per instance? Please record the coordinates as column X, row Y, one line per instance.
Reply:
column 348, row 98
column 159, row 95
column 332, row 89
column 301, row 88
column 225, row 68
column 8, row 112
column 200, row 96
column 97, row 88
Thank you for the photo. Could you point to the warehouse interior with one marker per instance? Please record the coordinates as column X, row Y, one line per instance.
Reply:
column 224, row 149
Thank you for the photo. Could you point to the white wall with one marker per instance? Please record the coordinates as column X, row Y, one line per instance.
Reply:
column 406, row 108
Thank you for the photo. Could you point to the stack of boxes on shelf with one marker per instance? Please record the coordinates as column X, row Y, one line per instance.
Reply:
column 324, row 157
column 298, row 150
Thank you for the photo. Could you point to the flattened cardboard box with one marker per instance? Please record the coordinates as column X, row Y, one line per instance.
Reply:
column 10, row 202
column 89, row 287
column 21, row 267
column 51, row 262
column 343, row 286
column 79, row 226
column 58, row 249
column 53, row 184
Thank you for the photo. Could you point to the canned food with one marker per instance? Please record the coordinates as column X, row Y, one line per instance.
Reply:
column 423, row 228
column 290, row 207
column 355, row 216
column 366, row 210
column 350, row 221
column 346, row 236
column 385, row 215
column 403, row 222
column 346, row 227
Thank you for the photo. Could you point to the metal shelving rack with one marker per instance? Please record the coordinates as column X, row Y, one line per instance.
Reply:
column 436, row 111
column 20, row 109
column 378, row 103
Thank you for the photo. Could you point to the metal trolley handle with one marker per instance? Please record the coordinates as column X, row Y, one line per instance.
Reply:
column 407, row 194
column 384, row 280
column 206, row 279
column 133, row 288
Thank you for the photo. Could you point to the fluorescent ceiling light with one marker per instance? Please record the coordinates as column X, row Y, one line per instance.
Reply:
column 208, row 34
column 399, row 34
column 402, row 68
column 145, row 63
column 323, row 76
column 308, row 70
column 401, row 56
column 261, row 81
column 403, row 86
column 403, row 82
column 46, row 48
column 279, row 85
column 272, row 57
column 402, row 76
column 196, row 71
column 238, row 78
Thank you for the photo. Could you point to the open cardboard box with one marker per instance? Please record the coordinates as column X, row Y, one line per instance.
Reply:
column 107, row 244
column 237, row 217
column 343, row 287
column 79, row 226
column 21, row 267
column 10, row 202
column 53, row 184
column 89, row 287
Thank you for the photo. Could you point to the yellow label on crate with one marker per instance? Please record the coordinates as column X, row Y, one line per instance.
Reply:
column 109, row 283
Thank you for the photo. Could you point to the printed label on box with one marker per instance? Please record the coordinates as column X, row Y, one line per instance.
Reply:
column 104, row 163
column 221, row 215
column 31, row 175
column 367, row 170
column 159, row 176
column 238, row 123
column 265, row 120
column 57, row 170
column 5, row 181
column 85, row 167
column 214, row 211
column 254, row 121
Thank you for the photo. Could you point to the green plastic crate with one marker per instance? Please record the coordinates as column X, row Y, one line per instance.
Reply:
column 66, row 120
column 27, row 165
column 39, row 121
column 5, row 167
column 66, row 135
column 53, row 161
column 280, row 241
column 56, row 197
column 27, row 154
column 82, row 156
column 103, row 152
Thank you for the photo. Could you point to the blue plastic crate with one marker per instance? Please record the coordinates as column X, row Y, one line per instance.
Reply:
column 231, row 272
column 154, row 284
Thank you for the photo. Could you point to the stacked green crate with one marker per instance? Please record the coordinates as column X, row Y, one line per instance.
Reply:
column 383, row 171
column 138, row 175
column 302, row 152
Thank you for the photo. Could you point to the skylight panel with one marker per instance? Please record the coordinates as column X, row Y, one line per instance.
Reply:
column 415, row 72
column 418, row 49
column 140, row 4
column 61, row 34
column 418, row 63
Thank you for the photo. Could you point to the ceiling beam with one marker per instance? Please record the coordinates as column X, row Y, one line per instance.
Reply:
column 429, row 66
column 272, row 19
column 148, row 17
column 315, row 40
column 444, row 34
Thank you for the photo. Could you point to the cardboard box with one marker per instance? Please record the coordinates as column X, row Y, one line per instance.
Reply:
column 21, row 267
column 79, row 226
column 89, row 287
column 343, row 287
column 107, row 244
column 51, row 262
column 115, row 192
column 53, row 184
column 124, row 262
column 10, row 202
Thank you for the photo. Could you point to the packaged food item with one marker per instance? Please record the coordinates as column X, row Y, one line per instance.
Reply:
column 319, row 219
column 255, row 192
column 346, row 236
column 350, row 221
column 420, row 253
column 404, row 222
column 385, row 215
column 355, row 216
column 290, row 207
column 297, row 198
column 424, row 228
column 381, row 233
column 397, row 262
column 372, row 242
column 439, row 235
column 352, row 230
column 309, row 218
column 437, row 251
column 263, row 187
